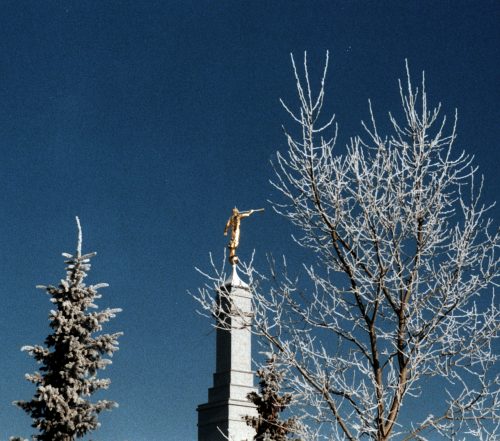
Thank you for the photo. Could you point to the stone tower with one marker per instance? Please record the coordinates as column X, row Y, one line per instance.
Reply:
column 233, row 378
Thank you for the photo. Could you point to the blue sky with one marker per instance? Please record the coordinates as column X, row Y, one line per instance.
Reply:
column 150, row 120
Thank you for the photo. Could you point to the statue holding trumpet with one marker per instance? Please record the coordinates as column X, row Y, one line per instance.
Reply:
column 234, row 222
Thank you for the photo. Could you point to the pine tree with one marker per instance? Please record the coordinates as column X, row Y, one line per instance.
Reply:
column 72, row 355
column 270, row 404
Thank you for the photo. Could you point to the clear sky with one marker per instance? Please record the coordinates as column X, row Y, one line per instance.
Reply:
column 150, row 120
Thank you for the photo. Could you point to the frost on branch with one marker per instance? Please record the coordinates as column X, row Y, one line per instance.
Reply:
column 400, row 295
column 73, row 354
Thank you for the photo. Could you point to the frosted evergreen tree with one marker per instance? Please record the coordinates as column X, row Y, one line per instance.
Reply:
column 72, row 356
column 270, row 403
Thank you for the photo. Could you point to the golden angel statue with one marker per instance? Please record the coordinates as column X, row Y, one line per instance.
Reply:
column 234, row 223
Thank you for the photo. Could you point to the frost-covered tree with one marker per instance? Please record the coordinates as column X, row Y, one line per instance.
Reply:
column 73, row 354
column 270, row 402
column 392, row 334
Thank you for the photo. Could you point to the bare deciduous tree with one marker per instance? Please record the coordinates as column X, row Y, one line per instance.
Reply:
column 399, row 299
